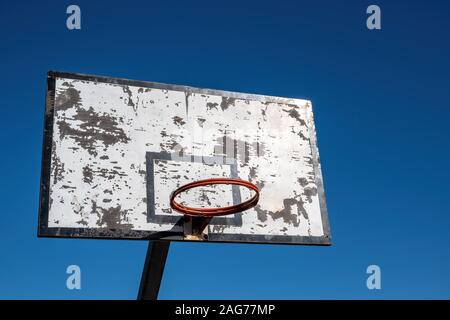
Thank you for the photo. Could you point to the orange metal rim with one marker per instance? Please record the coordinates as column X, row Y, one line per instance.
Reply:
column 210, row 212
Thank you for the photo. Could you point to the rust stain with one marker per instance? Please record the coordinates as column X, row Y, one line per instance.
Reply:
column 201, row 121
column 94, row 128
column 83, row 222
column 127, row 90
column 57, row 166
column 212, row 105
column 309, row 193
column 87, row 174
column 286, row 213
column 112, row 217
column 293, row 113
column 178, row 121
column 68, row 98
column 303, row 181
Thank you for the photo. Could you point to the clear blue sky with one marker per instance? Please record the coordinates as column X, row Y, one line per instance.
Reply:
column 381, row 101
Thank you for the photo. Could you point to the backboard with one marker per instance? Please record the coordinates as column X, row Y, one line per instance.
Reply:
column 114, row 150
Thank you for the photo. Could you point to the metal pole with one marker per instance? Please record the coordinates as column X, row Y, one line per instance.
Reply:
column 153, row 270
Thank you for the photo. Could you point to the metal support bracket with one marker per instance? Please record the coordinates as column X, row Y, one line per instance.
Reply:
column 196, row 228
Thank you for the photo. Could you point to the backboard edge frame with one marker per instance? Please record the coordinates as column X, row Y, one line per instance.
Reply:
column 176, row 87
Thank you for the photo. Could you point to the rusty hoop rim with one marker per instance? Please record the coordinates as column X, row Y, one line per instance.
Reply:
column 211, row 212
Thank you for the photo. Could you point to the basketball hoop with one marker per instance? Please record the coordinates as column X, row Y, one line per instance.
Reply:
column 198, row 218
column 211, row 212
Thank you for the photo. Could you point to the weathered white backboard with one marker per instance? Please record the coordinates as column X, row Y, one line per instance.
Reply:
column 115, row 149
